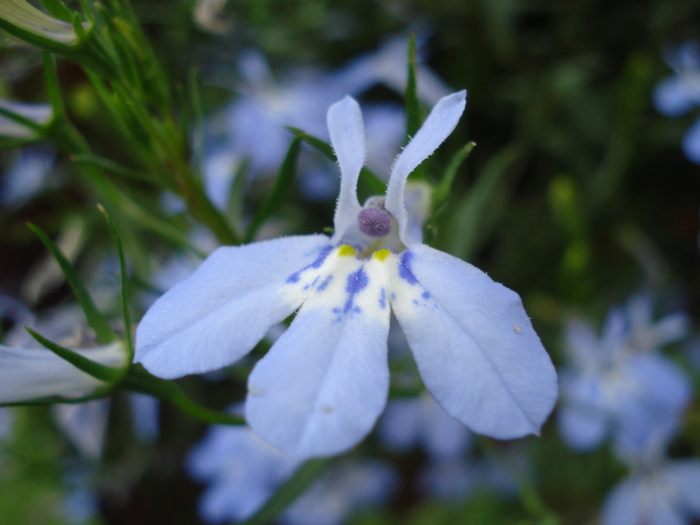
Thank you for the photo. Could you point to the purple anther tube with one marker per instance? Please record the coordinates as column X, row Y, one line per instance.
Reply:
column 374, row 222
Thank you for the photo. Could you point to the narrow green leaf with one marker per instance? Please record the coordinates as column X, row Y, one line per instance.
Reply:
column 411, row 102
column 53, row 87
column 368, row 183
column 110, row 165
column 195, row 123
column 442, row 190
column 138, row 380
column 96, row 370
column 122, row 282
column 24, row 121
column 58, row 9
column 468, row 220
column 97, row 321
column 289, row 491
column 285, row 179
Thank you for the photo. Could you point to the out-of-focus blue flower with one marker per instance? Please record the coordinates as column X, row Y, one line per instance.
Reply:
column 619, row 384
column 38, row 114
column 679, row 93
column 144, row 416
column 252, row 127
column 241, row 472
column 340, row 491
column 85, row 425
column 411, row 422
column 27, row 175
column 658, row 491
column 30, row 371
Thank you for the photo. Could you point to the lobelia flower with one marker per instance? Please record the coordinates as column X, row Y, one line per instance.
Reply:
column 30, row 371
column 678, row 94
column 39, row 115
column 323, row 384
column 619, row 384
column 658, row 491
column 241, row 472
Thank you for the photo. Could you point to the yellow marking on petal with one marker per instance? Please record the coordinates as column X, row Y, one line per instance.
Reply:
column 517, row 329
column 346, row 251
column 382, row 254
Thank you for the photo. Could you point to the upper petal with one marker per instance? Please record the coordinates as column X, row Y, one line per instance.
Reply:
column 219, row 314
column 321, row 387
column 31, row 373
column 348, row 139
column 436, row 128
column 474, row 344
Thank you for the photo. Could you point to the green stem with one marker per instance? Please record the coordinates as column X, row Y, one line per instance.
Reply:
column 139, row 381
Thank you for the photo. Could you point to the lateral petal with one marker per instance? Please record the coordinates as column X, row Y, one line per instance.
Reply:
column 323, row 384
column 474, row 344
column 226, row 306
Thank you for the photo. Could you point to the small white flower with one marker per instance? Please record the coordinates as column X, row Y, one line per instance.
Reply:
column 30, row 371
column 39, row 114
column 27, row 18
column 325, row 381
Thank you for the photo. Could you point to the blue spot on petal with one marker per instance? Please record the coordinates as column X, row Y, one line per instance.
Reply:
column 322, row 255
column 404, row 268
column 382, row 299
column 325, row 283
column 356, row 281
column 425, row 295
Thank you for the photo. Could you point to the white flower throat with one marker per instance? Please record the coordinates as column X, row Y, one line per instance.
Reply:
column 375, row 228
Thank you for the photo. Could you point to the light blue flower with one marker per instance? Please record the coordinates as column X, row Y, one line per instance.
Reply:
column 30, row 371
column 619, row 384
column 252, row 127
column 409, row 422
column 658, row 491
column 680, row 93
column 340, row 491
column 241, row 472
column 325, row 381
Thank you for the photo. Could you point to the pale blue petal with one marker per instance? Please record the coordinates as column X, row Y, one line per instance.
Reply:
column 339, row 492
column 219, row 314
column 685, row 476
column 583, row 418
column 240, row 470
column 348, row 139
column 670, row 98
column 582, row 343
column 85, row 424
column 322, row 385
column 623, row 505
column 31, row 373
column 436, row 128
column 144, row 416
column 670, row 329
column 581, row 430
column 691, row 143
column 399, row 426
column 475, row 346
column 445, row 437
